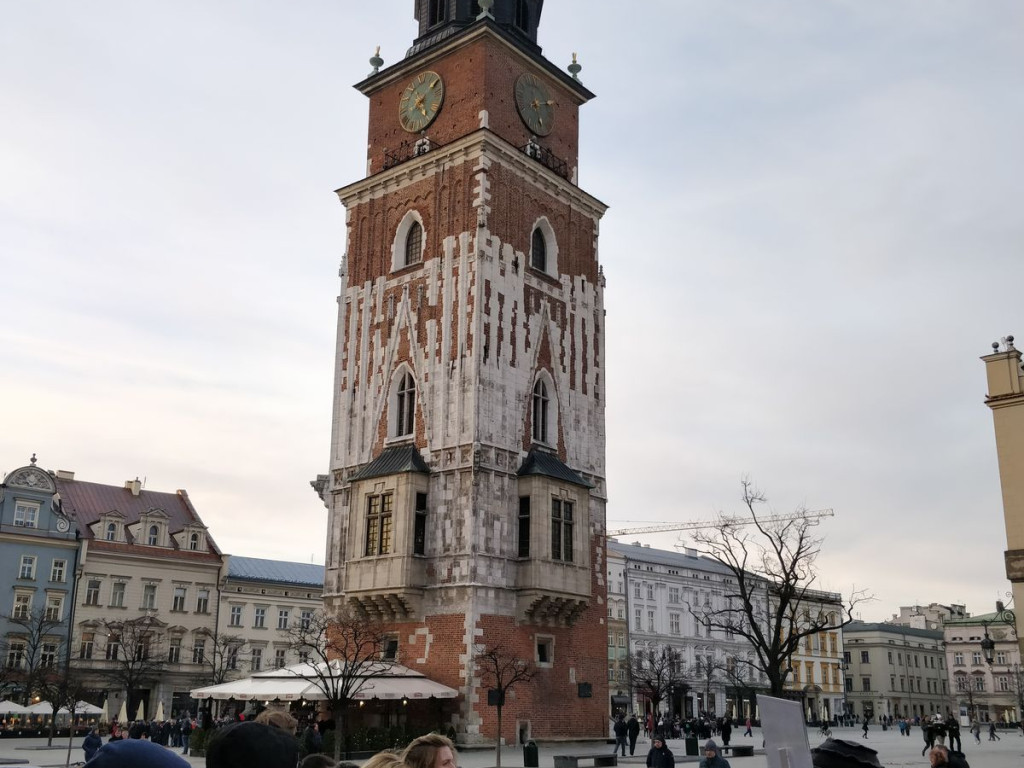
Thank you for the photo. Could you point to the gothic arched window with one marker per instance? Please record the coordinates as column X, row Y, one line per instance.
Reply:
column 154, row 536
column 539, row 251
column 414, row 244
column 405, row 406
column 541, row 404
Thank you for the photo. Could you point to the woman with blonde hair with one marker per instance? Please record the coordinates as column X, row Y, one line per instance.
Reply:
column 432, row 750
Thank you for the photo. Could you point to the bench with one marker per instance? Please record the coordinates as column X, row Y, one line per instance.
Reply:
column 738, row 750
column 573, row 761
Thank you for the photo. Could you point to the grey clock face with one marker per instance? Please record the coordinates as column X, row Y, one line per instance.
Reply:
column 535, row 105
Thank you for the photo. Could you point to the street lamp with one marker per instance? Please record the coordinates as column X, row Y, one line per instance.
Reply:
column 844, row 665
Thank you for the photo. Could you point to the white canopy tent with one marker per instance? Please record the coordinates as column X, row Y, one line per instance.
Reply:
column 392, row 681
column 46, row 708
column 10, row 708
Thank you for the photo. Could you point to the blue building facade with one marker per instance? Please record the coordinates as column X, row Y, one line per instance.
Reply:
column 39, row 552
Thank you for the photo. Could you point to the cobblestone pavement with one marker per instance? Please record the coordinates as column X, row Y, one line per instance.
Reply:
column 894, row 751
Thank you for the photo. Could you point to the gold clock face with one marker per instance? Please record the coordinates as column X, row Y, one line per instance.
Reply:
column 421, row 101
column 535, row 105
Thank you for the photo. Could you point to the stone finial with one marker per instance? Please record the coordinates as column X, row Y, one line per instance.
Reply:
column 574, row 68
column 32, row 461
column 485, row 10
column 376, row 61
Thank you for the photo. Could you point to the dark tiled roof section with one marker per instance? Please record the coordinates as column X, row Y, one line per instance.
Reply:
column 541, row 463
column 278, row 571
column 101, row 545
column 855, row 627
column 88, row 501
column 642, row 554
column 394, row 461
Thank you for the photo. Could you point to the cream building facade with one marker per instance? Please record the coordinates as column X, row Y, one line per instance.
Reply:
column 1006, row 399
column 817, row 678
column 896, row 670
column 983, row 691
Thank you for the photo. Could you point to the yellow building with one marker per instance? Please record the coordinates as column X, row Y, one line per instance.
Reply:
column 1006, row 399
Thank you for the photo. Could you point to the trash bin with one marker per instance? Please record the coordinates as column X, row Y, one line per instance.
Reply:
column 691, row 746
column 531, row 758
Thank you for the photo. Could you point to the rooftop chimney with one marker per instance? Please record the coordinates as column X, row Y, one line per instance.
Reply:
column 63, row 474
column 135, row 486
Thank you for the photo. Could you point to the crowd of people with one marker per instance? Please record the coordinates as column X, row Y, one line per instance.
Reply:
column 269, row 741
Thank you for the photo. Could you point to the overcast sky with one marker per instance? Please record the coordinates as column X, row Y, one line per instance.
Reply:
column 815, row 232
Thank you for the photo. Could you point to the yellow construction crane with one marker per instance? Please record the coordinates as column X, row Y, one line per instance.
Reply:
column 815, row 514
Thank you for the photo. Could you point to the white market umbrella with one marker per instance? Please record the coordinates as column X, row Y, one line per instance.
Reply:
column 85, row 708
column 104, row 714
column 42, row 708
column 10, row 708
column 141, row 714
column 122, row 716
column 160, row 712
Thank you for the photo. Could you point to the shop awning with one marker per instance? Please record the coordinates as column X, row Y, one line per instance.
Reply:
column 302, row 682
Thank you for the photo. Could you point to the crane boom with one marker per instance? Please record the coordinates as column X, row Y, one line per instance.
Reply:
column 815, row 514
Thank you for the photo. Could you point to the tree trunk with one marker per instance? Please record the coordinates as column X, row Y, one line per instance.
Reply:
column 497, row 743
column 71, row 742
column 339, row 733
column 53, row 729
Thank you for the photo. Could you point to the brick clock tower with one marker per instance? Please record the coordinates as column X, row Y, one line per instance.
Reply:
column 467, row 487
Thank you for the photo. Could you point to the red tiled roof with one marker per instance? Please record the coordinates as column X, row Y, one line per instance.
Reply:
column 138, row 549
column 87, row 502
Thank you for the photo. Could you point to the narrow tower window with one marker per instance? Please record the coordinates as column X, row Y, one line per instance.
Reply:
column 539, row 251
column 438, row 11
column 414, row 244
column 524, row 526
column 561, row 530
column 419, row 537
column 405, row 406
column 541, row 403
column 522, row 15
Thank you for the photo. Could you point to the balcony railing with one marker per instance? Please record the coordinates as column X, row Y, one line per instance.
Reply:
column 547, row 158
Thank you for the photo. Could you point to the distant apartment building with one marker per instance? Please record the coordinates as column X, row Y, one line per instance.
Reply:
column 656, row 597
column 261, row 600
column 931, row 616
column 38, row 557
column 147, row 595
column 896, row 670
column 985, row 691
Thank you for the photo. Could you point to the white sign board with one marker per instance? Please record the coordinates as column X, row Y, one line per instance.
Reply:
column 785, row 734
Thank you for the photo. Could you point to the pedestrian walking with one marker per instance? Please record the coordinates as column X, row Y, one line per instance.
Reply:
column 632, row 732
column 660, row 756
column 992, row 735
column 976, row 731
column 748, row 732
column 621, row 731
column 865, row 728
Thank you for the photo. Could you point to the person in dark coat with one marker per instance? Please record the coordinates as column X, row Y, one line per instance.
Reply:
column 632, row 732
column 135, row 753
column 91, row 744
column 953, row 729
column 711, row 757
column 726, row 731
column 660, row 756
column 620, row 730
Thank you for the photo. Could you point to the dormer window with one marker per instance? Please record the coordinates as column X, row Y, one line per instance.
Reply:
column 193, row 541
column 26, row 514
column 110, row 533
column 153, row 536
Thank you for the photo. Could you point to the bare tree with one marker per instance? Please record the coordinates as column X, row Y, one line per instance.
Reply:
column 501, row 671
column 134, row 654
column 709, row 673
column 342, row 652
column 222, row 657
column 35, row 643
column 771, row 601
column 656, row 673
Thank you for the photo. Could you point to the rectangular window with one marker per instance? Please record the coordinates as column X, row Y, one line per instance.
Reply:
column 15, row 655
column 1001, row 658
column 545, row 651
column 673, row 623
column 673, row 594
column 958, row 659
column 92, row 592
column 26, row 515
column 57, row 570
column 976, row 658
column 178, row 604
column 890, row 657
column 650, row 621
column 865, row 658
column 117, row 595
column 256, row 659
column 636, row 591
column 390, row 652
column 524, row 526
column 198, row 651
column 149, row 596
column 650, row 591
column 979, row 683
column 22, row 605
column 378, row 524
column 637, row 619
column 306, row 618
column 113, row 649
column 282, row 618
column 236, row 616
column 232, row 658
column 865, row 683
column 892, row 682
column 55, row 607
column 561, row 530
column 280, row 658
column 203, row 601
column 27, row 569
column 419, row 530
column 259, row 620
column 48, row 657
column 174, row 651
column 85, row 648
